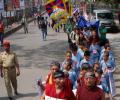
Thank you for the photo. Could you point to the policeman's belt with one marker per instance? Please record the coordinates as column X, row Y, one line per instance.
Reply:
column 9, row 67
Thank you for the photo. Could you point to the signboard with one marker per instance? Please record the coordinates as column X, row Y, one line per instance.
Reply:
column 1, row 6
column 22, row 4
column 8, row 14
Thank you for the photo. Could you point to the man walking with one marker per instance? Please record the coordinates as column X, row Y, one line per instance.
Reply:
column 59, row 90
column 89, row 90
column 9, row 69
column 43, row 27
column 25, row 24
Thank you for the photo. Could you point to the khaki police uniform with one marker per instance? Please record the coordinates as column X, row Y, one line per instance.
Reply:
column 9, row 62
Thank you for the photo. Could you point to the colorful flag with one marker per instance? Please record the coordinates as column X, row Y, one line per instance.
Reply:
column 60, row 4
column 49, row 7
column 82, row 22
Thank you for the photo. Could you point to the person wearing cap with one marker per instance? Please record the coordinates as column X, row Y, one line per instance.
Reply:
column 90, row 91
column 9, row 69
column 58, row 90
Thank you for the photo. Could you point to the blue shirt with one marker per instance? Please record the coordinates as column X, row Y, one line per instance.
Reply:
column 85, row 61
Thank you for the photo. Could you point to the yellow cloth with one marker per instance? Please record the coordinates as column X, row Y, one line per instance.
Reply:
column 8, row 59
column 50, row 79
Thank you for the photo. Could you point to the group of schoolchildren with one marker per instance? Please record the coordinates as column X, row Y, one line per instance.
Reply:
column 89, row 57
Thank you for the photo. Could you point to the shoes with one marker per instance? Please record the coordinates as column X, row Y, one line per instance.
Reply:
column 10, row 98
column 16, row 93
column 44, row 39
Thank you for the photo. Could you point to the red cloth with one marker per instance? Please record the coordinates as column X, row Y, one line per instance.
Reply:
column 66, row 93
column 68, row 83
column 1, row 27
column 84, row 93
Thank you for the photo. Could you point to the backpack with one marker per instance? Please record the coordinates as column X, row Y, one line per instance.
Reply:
column 42, row 24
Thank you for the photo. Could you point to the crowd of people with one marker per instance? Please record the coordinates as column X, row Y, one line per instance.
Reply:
column 87, row 71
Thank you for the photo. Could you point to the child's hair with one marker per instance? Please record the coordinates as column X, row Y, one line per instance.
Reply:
column 106, row 53
column 68, row 52
column 99, row 71
column 55, row 63
column 96, row 63
column 73, row 47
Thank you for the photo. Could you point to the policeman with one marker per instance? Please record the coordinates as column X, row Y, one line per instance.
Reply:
column 9, row 69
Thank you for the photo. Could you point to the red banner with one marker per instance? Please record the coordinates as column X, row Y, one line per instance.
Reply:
column 16, row 4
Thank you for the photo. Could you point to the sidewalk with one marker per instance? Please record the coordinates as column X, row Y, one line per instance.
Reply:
column 16, row 26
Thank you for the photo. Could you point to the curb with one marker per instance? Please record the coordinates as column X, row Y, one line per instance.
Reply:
column 15, row 29
column 11, row 31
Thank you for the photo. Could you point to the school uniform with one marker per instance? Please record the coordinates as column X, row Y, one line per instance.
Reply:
column 111, row 66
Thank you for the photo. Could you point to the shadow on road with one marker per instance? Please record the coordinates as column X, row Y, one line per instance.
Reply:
column 26, row 95
column 20, row 96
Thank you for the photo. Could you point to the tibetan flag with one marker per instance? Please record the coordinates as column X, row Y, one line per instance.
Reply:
column 60, row 4
column 49, row 7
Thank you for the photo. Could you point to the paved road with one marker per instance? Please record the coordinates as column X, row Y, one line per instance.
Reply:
column 35, row 56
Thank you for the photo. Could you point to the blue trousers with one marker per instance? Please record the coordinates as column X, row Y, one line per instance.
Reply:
column 1, row 37
column 44, row 34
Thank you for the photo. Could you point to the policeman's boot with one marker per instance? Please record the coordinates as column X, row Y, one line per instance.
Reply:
column 16, row 93
column 10, row 98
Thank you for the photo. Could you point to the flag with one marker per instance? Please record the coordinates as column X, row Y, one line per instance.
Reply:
column 49, row 7
column 60, row 4
column 82, row 22
column 95, row 24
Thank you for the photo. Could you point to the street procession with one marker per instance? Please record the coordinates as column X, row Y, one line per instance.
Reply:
column 59, row 50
